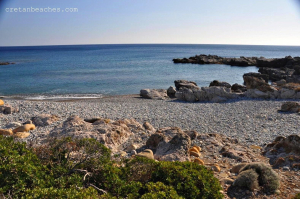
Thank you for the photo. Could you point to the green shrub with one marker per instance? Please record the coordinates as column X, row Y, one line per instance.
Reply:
column 159, row 190
column 188, row 179
column 49, row 193
column 20, row 169
column 82, row 168
column 248, row 179
column 297, row 196
column 267, row 177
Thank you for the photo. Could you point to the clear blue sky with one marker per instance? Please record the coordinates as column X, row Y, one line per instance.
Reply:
column 258, row 22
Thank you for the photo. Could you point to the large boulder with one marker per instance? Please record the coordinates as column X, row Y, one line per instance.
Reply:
column 153, row 93
column 256, row 83
column 184, row 84
column 186, row 95
column 218, row 83
column 174, row 150
column 290, row 107
column 171, row 92
column 264, row 77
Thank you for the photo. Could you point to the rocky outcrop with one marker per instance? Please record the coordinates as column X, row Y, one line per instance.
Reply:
column 214, row 59
column 184, row 84
column 158, row 94
column 274, row 69
column 174, row 150
column 258, row 75
column 44, row 119
column 218, row 83
column 284, row 152
column 213, row 94
column 113, row 134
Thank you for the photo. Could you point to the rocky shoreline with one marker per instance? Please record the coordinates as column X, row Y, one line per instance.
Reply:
column 275, row 69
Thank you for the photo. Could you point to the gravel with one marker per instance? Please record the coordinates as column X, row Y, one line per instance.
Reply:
column 253, row 122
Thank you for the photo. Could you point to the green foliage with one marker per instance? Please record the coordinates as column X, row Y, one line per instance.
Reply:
column 248, row 179
column 267, row 177
column 188, row 179
column 68, row 168
column 297, row 196
column 49, row 193
column 159, row 190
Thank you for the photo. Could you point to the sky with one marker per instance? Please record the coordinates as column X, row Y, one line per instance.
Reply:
column 255, row 22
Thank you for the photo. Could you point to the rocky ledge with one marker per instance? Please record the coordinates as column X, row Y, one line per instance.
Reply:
column 275, row 69
column 6, row 63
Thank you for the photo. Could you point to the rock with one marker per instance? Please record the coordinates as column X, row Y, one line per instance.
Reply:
column 13, row 125
column 238, row 88
column 227, row 181
column 146, row 154
column 276, row 74
column 186, row 95
column 133, row 152
column 131, row 147
column 184, row 84
column 174, row 150
column 21, row 135
column 6, row 132
column 1, row 102
column 281, row 82
column 158, row 94
column 110, row 134
column 199, row 161
column 148, row 126
column 255, row 83
column 221, row 84
column 8, row 109
column 216, row 168
column 284, row 151
column 290, row 107
column 285, row 168
column 287, row 93
column 260, row 76
column 154, row 140
column 27, row 122
column 92, row 120
column 193, row 134
column 214, row 59
column 218, row 99
column 237, row 168
column 194, row 149
column 196, row 154
column 24, row 128
column 44, row 119
column 171, row 92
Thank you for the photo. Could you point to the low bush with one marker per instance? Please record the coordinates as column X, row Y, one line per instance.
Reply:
column 83, row 168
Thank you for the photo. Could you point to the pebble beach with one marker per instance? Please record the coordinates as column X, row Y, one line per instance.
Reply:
column 252, row 122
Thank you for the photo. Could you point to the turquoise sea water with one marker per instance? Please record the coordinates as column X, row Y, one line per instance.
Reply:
column 95, row 70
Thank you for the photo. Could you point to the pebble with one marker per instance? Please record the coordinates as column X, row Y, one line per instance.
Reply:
column 225, row 118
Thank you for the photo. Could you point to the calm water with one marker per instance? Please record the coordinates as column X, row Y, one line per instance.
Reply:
column 118, row 69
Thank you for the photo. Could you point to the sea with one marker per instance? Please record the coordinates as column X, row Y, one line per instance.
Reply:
column 93, row 71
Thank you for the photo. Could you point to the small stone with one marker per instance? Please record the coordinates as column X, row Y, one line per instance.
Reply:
column 147, row 154
column 227, row 181
column 21, row 135
column 13, row 125
column 297, row 190
column 25, row 128
column 237, row 168
column 216, row 168
column 285, row 168
column 6, row 132
column 199, row 161
column 133, row 152
column 131, row 147
column 278, row 192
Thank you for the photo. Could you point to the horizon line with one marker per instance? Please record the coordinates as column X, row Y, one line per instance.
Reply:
column 150, row 44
